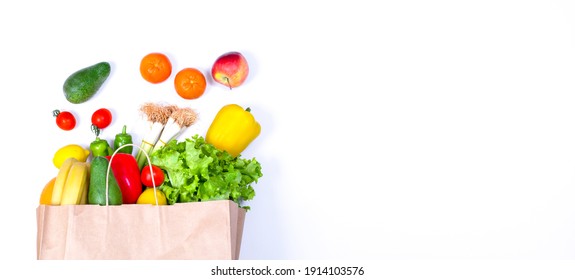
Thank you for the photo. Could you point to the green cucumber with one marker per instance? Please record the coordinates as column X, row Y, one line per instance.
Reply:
column 97, row 188
column 84, row 83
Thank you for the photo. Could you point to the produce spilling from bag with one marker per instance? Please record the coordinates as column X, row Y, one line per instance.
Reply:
column 162, row 168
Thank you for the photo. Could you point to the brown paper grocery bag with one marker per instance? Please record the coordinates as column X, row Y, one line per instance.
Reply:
column 195, row 230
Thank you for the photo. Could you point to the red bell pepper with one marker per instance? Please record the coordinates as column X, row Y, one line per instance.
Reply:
column 127, row 174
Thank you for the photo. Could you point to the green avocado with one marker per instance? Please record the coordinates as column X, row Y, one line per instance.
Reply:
column 97, row 187
column 84, row 83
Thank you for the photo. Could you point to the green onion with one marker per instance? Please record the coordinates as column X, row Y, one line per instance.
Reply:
column 156, row 117
column 179, row 120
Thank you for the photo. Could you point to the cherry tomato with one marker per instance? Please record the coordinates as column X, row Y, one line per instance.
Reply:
column 65, row 120
column 148, row 179
column 102, row 118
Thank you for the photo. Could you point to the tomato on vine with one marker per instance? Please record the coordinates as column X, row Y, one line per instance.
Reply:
column 64, row 120
column 102, row 118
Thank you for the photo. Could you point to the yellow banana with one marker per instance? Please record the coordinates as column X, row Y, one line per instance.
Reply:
column 75, row 189
column 84, row 197
column 61, row 180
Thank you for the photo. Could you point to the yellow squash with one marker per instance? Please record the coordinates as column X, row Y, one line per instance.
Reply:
column 233, row 129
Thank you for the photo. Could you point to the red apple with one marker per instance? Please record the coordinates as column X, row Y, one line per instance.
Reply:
column 230, row 69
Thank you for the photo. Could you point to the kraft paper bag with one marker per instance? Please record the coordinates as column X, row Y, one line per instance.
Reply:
column 209, row 230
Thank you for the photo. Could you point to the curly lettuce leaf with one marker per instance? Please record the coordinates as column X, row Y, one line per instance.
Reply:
column 197, row 171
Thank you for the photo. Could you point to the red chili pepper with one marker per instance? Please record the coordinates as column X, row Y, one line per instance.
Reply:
column 127, row 174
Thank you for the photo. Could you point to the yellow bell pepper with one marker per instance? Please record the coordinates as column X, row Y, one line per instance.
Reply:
column 233, row 129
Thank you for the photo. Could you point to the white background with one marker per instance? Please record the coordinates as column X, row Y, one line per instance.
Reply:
column 391, row 130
